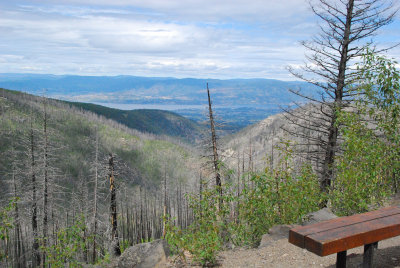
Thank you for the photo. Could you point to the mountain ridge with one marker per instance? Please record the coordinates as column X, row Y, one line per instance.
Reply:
column 154, row 121
column 140, row 155
column 154, row 90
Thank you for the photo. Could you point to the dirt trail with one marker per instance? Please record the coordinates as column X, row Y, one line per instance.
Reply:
column 282, row 254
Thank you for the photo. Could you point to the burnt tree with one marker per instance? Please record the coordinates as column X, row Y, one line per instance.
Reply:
column 35, row 245
column 215, row 151
column 45, row 184
column 95, row 197
column 345, row 26
column 116, row 250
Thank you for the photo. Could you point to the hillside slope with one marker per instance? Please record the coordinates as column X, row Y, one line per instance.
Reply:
column 257, row 145
column 142, row 159
column 254, row 143
column 63, row 166
column 152, row 121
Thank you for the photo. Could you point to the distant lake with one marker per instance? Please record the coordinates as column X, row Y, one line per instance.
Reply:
column 133, row 106
column 166, row 107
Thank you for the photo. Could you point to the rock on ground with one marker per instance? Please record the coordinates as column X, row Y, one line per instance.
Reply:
column 147, row 255
column 282, row 231
column 275, row 233
column 318, row 216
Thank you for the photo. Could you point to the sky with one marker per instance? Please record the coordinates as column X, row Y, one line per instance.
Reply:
column 165, row 38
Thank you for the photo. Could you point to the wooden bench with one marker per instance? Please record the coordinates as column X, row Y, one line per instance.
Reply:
column 340, row 234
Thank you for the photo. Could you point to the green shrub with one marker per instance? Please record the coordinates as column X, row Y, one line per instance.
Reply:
column 71, row 241
column 273, row 197
column 203, row 239
column 6, row 223
column 363, row 178
column 279, row 196
column 368, row 171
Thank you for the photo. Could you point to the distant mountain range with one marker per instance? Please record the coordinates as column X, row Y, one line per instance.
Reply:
column 156, row 90
column 237, row 102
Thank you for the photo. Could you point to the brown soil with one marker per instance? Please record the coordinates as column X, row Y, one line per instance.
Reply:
column 284, row 255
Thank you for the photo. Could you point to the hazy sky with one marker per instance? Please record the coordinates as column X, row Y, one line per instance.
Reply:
column 177, row 38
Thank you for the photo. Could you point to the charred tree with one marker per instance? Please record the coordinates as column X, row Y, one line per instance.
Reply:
column 17, row 259
column 165, row 202
column 35, row 245
column 116, row 250
column 238, row 188
column 96, row 176
column 332, row 53
column 215, row 151
column 45, row 185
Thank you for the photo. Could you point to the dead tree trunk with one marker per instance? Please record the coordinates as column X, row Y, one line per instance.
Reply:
column 115, row 247
column 337, row 106
column 201, row 195
column 165, row 201
column 238, row 188
column 215, row 151
column 35, row 246
column 346, row 24
column 17, row 224
column 95, row 197
column 45, row 186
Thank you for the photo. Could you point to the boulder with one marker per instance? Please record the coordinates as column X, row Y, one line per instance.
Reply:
column 318, row 216
column 146, row 255
column 276, row 232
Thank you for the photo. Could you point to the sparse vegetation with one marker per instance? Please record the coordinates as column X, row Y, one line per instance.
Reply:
column 279, row 196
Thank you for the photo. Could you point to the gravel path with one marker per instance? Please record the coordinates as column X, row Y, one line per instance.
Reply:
column 282, row 254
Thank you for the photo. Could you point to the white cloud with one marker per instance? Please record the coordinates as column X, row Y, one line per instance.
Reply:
column 218, row 39
column 195, row 9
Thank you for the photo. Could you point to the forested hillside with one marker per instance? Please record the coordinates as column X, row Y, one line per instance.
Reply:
column 55, row 165
column 255, row 146
column 152, row 121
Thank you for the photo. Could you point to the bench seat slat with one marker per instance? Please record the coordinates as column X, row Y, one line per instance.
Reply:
column 351, row 236
column 297, row 235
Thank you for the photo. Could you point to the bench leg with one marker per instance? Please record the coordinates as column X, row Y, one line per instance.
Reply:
column 341, row 259
column 368, row 257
